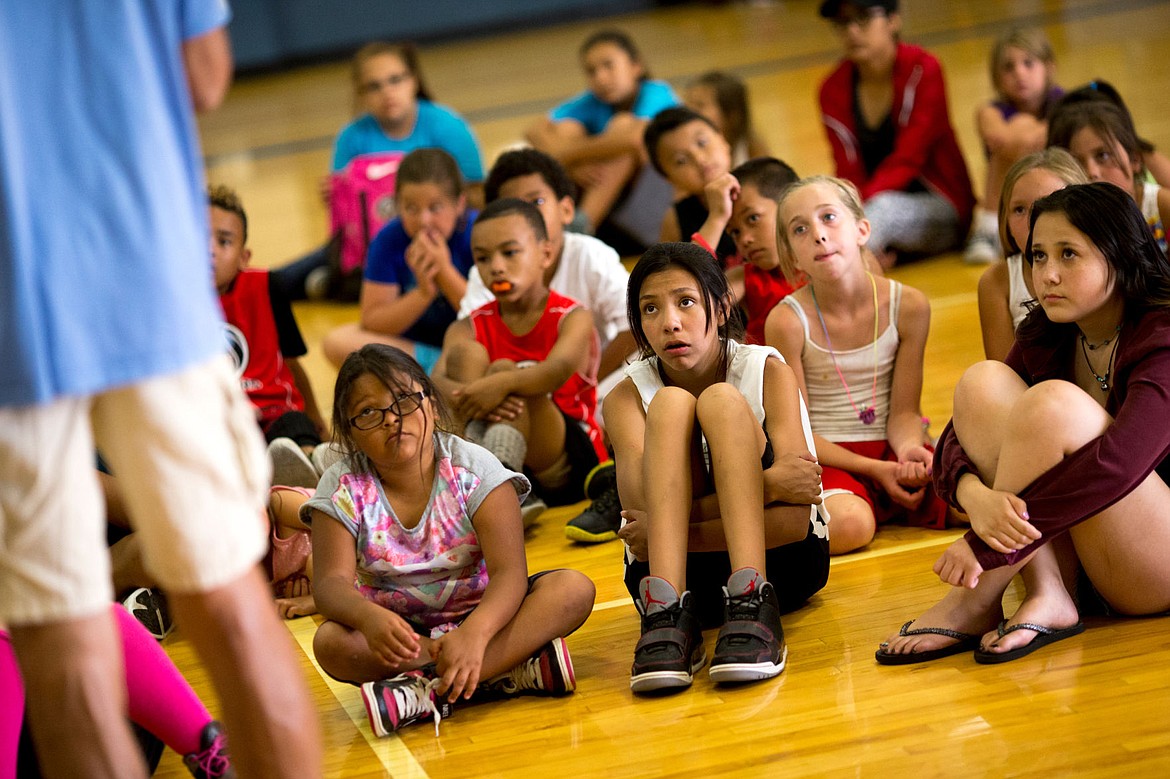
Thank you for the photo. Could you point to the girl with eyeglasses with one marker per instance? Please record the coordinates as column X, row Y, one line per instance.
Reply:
column 396, row 113
column 419, row 565
column 885, row 114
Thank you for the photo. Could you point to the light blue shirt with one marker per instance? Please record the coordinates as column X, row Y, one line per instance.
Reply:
column 436, row 127
column 105, row 275
column 653, row 96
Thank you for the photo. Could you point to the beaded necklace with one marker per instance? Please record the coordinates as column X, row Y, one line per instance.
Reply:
column 1103, row 381
column 867, row 414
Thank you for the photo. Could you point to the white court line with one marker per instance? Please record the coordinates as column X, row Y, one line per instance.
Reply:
column 397, row 760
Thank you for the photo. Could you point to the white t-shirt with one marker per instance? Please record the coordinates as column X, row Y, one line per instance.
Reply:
column 590, row 272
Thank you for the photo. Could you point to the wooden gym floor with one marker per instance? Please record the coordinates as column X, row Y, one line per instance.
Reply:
column 1095, row 705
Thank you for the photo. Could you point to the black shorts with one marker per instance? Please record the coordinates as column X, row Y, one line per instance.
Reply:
column 582, row 457
column 797, row 571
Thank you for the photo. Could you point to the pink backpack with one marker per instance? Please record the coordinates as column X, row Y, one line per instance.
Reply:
column 361, row 202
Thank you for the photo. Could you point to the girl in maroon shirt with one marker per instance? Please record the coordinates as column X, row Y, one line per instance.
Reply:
column 1056, row 455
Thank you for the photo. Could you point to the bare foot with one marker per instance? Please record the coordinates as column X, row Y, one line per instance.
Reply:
column 1053, row 609
column 300, row 606
column 961, row 610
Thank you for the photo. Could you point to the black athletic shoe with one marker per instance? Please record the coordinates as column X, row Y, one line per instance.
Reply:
column 212, row 758
column 602, row 478
column 670, row 651
column 751, row 642
column 598, row 523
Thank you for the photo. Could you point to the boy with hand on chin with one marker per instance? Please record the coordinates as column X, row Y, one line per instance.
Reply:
column 521, row 371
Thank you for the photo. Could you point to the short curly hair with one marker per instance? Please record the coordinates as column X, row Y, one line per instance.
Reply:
column 225, row 198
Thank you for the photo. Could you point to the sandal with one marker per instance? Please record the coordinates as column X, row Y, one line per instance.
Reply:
column 964, row 642
column 1044, row 636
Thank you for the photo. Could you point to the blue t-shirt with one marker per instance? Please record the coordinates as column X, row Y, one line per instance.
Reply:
column 653, row 96
column 104, row 273
column 436, row 127
column 386, row 263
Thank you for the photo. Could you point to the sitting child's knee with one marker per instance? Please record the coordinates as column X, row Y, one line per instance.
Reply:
column 466, row 360
column 501, row 366
column 852, row 525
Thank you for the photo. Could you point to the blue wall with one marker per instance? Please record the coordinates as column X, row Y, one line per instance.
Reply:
column 269, row 33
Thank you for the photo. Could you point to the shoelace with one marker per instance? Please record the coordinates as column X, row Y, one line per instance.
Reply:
column 415, row 700
column 526, row 676
column 213, row 761
column 743, row 607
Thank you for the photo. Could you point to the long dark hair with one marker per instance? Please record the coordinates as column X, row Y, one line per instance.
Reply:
column 1110, row 218
column 712, row 284
column 399, row 372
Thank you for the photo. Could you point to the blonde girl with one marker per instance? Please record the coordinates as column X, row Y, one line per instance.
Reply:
column 1006, row 294
column 855, row 342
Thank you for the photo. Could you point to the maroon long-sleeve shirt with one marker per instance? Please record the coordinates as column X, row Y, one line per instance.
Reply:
column 1107, row 468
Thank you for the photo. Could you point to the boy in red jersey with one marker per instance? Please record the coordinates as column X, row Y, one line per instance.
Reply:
column 521, row 371
column 265, row 344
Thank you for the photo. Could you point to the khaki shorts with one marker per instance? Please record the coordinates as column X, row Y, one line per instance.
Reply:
column 190, row 461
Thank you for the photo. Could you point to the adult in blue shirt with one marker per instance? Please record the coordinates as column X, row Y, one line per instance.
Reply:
column 109, row 336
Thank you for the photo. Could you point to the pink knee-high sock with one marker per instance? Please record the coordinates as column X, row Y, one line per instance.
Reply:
column 11, row 706
column 161, row 700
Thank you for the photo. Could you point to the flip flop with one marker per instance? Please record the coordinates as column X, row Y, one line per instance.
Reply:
column 964, row 642
column 1044, row 637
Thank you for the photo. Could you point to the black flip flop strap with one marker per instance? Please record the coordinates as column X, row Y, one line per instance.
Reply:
column 934, row 632
column 1041, row 629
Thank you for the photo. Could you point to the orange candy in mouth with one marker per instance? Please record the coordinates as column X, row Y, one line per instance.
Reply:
column 501, row 286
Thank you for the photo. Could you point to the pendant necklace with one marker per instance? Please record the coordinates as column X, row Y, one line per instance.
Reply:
column 867, row 414
column 1087, row 347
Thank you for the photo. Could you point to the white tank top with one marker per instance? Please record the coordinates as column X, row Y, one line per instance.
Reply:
column 832, row 414
column 1018, row 295
column 745, row 372
column 1150, row 211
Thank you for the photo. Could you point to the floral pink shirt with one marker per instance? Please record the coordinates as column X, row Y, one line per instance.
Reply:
column 433, row 574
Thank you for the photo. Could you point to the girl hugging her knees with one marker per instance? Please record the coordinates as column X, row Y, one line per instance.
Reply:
column 1058, row 455
column 718, row 477
column 419, row 557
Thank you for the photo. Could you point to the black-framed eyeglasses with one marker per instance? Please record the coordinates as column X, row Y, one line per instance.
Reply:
column 862, row 18
column 403, row 405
